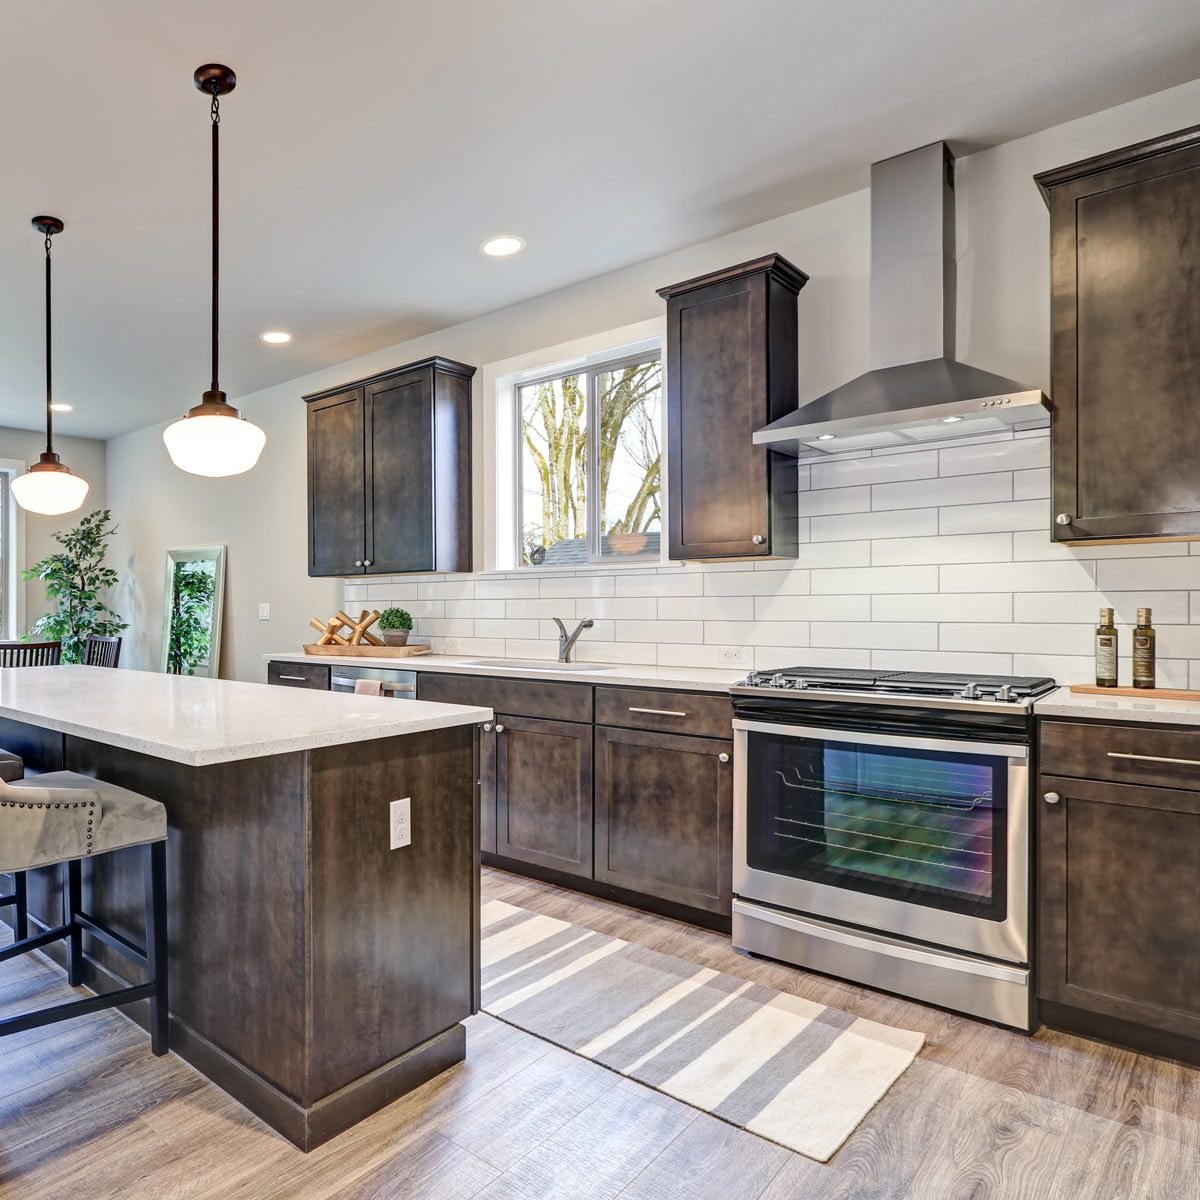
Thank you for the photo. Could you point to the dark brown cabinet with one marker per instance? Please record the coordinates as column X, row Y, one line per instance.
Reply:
column 301, row 675
column 389, row 472
column 1119, row 886
column 1125, row 310
column 542, row 775
column 664, row 813
column 731, row 369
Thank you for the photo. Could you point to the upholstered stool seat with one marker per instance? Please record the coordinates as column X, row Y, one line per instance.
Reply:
column 60, row 815
column 12, row 766
column 61, row 818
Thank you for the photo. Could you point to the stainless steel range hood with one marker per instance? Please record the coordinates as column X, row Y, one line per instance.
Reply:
column 916, row 391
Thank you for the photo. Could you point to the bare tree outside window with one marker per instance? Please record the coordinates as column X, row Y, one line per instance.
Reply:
column 591, row 464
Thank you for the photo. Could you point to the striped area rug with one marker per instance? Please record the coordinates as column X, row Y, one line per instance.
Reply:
column 783, row 1067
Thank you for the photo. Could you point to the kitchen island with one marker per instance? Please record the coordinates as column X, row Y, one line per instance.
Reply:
column 316, row 974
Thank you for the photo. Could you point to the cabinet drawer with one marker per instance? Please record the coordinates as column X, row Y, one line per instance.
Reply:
column 521, row 697
column 1122, row 753
column 304, row 675
column 670, row 712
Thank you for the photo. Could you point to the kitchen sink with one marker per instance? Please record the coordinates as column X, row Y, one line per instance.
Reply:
column 526, row 664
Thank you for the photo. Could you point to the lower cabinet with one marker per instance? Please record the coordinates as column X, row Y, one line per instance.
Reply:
column 664, row 812
column 1119, row 904
column 539, row 774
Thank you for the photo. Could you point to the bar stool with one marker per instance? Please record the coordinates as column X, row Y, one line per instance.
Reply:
column 63, row 818
column 12, row 768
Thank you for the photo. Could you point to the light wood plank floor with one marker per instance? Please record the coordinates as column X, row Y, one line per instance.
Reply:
column 87, row 1113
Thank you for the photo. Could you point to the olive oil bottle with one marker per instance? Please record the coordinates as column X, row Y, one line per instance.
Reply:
column 1143, row 651
column 1106, row 650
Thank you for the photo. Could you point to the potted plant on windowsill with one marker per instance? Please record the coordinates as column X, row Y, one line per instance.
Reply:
column 395, row 624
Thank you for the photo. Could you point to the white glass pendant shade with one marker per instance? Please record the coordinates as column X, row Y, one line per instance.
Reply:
column 49, row 490
column 214, row 444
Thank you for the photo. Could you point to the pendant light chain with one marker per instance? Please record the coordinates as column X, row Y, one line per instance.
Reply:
column 49, row 390
column 215, row 113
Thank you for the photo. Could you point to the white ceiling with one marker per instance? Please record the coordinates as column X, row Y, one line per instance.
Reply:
column 372, row 144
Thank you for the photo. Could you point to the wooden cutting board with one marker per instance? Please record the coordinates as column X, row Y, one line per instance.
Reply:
column 1090, row 689
column 365, row 651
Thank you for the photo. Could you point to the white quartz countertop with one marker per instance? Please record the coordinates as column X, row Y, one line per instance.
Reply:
column 691, row 679
column 1084, row 706
column 202, row 721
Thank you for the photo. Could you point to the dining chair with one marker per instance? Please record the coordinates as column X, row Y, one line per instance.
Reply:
column 30, row 654
column 102, row 651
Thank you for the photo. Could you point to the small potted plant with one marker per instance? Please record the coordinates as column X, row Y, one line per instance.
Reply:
column 395, row 624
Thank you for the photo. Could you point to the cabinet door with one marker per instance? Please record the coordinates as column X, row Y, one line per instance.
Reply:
column 664, row 816
column 1126, row 349
column 544, row 793
column 301, row 675
column 336, row 513
column 1119, row 902
column 399, row 473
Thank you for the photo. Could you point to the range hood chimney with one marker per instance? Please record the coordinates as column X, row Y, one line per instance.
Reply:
column 916, row 390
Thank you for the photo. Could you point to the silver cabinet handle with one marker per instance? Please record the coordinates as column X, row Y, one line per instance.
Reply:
column 1183, row 762
column 499, row 728
column 488, row 727
column 722, row 757
column 366, row 562
column 295, row 678
column 358, row 562
column 1063, row 519
column 659, row 712
column 758, row 539
column 1052, row 797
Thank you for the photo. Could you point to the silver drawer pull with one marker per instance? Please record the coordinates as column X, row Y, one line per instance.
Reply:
column 296, row 678
column 659, row 712
column 1183, row 762
column 723, row 757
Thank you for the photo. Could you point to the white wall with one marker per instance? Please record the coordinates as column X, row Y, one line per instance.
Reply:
column 86, row 458
column 1003, row 323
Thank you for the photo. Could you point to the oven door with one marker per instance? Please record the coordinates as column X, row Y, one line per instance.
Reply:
column 920, row 837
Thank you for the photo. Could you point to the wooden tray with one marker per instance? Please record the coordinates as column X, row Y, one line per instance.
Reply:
column 1090, row 689
column 365, row 651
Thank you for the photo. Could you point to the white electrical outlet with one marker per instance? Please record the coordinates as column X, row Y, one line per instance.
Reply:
column 451, row 646
column 264, row 612
column 733, row 654
column 400, row 823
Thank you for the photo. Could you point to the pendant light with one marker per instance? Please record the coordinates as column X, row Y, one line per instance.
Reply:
column 48, row 487
column 213, row 438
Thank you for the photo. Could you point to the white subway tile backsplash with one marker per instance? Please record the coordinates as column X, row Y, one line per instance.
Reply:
column 926, row 493
column 926, row 559
column 904, row 522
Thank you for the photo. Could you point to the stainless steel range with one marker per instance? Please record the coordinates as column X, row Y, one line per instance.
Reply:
column 881, row 830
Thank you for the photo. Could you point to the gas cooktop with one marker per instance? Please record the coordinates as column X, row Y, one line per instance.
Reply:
column 851, row 683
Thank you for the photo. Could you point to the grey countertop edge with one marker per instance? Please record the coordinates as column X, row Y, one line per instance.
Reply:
column 206, row 757
column 1065, row 703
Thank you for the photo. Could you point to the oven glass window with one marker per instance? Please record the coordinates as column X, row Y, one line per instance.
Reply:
column 923, row 826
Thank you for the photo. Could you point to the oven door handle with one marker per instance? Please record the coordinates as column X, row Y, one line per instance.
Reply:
column 911, row 742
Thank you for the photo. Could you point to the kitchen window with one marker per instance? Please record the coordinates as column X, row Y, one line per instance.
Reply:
column 589, row 463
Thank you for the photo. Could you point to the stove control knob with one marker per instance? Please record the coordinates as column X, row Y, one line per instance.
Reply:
column 1005, row 692
column 778, row 681
column 970, row 692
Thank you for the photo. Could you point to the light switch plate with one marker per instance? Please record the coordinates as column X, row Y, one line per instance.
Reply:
column 400, row 823
column 264, row 612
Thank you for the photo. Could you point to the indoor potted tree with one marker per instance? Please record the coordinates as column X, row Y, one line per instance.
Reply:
column 395, row 624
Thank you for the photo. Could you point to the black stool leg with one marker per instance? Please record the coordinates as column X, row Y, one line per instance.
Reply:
column 21, row 905
column 156, row 943
column 75, row 937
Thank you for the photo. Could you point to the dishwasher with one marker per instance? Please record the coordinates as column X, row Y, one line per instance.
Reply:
column 396, row 685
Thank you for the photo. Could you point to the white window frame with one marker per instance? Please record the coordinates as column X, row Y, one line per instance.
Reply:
column 498, row 440
column 12, row 552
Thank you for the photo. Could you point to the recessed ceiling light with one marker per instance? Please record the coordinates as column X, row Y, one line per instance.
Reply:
column 950, row 420
column 825, row 437
column 275, row 337
column 502, row 245
column 57, row 407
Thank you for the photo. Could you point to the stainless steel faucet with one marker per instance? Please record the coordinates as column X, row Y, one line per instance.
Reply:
column 566, row 641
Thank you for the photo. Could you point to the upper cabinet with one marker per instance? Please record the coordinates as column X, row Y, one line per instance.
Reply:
column 731, row 369
column 389, row 472
column 1125, row 280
